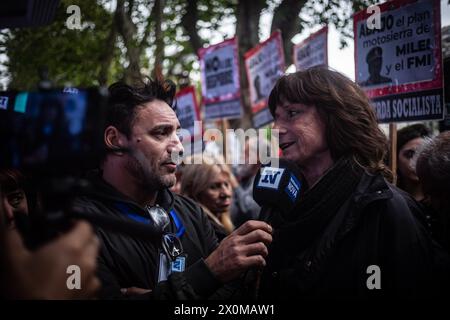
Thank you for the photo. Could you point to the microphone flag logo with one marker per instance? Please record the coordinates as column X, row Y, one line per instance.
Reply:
column 270, row 177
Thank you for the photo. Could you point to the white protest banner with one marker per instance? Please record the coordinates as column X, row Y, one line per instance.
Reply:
column 219, row 67
column 264, row 65
column 313, row 51
column 399, row 64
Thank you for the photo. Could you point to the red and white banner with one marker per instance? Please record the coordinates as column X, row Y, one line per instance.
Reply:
column 187, row 110
column 399, row 63
column 313, row 51
column 264, row 66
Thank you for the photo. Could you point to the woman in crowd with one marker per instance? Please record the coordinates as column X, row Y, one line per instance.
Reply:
column 210, row 182
column 352, row 233
column 409, row 139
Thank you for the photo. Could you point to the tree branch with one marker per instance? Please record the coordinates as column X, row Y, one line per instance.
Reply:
column 128, row 30
column 286, row 19
column 148, row 29
column 247, row 30
column 159, row 38
column 108, row 53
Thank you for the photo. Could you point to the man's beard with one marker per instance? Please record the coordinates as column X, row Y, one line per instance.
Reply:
column 139, row 168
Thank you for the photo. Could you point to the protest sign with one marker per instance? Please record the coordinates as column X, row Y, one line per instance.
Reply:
column 187, row 110
column 219, row 67
column 399, row 63
column 313, row 51
column 264, row 66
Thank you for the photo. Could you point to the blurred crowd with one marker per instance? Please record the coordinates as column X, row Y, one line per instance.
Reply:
column 213, row 237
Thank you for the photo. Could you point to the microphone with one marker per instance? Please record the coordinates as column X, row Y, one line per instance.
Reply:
column 278, row 188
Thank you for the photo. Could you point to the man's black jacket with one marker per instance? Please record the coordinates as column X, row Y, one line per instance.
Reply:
column 126, row 261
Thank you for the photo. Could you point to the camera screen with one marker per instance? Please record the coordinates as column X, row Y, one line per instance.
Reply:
column 49, row 130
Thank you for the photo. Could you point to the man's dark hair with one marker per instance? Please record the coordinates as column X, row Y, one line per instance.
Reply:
column 433, row 165
column 11, row 180
column 124, row 100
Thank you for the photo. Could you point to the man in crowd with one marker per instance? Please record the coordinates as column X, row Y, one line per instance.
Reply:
column 244, row 207
column 433, row 169
column 133, row 183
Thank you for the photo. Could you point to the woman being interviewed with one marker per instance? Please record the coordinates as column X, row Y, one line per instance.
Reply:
column 210, row 183
column 352, row 233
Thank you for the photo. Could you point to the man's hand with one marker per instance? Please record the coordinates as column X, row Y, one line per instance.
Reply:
column 43, row 274
column 245, row 248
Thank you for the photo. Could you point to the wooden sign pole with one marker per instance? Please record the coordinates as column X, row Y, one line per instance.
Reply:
column 224, row 132
column 393, row 148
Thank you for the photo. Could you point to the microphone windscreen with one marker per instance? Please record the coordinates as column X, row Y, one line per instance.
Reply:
column 278, row 186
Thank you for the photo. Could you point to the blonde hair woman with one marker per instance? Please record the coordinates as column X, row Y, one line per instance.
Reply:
column 211, row 184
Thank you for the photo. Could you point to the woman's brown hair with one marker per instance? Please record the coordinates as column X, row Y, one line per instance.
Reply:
column 351, row 123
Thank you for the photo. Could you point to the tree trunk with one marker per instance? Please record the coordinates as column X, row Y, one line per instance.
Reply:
column 159, row 38
column 128, row 31
column 286, row 19
column 247, row 31
column 189, row 23
column 108, row 54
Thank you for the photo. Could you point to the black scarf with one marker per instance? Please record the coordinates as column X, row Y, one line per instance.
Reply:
column 299, row 228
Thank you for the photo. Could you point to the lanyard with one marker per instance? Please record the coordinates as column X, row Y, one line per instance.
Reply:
column 125, row 209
